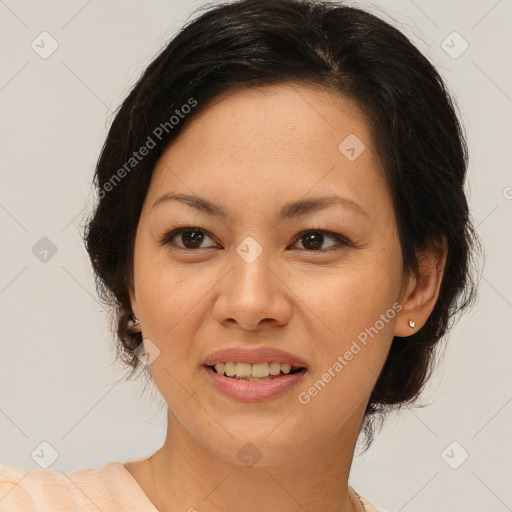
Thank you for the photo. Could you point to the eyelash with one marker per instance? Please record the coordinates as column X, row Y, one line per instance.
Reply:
column 166, row 241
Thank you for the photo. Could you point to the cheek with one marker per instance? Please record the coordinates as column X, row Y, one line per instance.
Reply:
column 352, row 296
column 166, row 299
column 165, row 292
column 351, row 360
column 358, row 307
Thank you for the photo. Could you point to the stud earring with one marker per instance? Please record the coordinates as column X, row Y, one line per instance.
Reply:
column 136, row 321
column 412, row 324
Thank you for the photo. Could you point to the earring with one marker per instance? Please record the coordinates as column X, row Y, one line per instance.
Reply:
column 412, row 324
column 136, row 321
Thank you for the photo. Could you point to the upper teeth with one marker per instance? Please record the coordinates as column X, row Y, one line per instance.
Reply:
column 259, row 370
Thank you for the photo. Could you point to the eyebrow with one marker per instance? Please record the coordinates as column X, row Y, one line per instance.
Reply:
column 288, row 211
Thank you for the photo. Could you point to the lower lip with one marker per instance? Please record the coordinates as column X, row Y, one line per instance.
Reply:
column 254, row 391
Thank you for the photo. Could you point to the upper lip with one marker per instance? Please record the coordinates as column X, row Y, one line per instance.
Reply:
column 253, row 355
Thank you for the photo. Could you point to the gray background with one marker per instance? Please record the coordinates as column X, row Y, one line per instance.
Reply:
column 58, row 382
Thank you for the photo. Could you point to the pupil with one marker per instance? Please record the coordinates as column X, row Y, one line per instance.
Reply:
column 314, row 240
column 192, row 237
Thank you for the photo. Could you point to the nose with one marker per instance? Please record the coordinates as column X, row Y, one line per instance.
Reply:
column 253, row 296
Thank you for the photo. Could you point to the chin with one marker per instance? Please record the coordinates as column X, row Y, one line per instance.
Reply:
column 254, row 442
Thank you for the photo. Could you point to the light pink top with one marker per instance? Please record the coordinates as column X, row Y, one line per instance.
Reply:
column 109, row 488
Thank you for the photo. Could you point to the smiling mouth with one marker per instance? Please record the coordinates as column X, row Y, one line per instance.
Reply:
column 256, row 372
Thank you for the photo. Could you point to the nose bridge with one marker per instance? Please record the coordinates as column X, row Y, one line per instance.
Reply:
column 252, row 274
column 252, row 292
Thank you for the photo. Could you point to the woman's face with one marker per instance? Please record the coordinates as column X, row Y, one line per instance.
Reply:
column 252, row 280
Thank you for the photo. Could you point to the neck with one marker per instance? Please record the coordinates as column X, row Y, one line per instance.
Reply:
column 187, row 476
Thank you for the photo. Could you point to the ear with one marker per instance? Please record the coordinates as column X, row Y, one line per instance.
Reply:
column 135, row 310
column 422, row 289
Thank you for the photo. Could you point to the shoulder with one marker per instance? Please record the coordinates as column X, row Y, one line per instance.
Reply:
column 13, row 496
column 110, row 487
column 47, row 489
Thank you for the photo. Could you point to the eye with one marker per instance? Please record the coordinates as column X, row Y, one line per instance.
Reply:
column 313, row 240
column 191, row 238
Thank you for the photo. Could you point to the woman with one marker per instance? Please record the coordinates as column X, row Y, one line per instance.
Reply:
column 283, row 233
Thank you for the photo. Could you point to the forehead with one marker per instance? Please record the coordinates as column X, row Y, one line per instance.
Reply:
column 272, row 140
column 304, row 117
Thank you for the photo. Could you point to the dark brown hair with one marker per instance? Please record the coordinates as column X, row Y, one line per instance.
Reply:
column 415, row 129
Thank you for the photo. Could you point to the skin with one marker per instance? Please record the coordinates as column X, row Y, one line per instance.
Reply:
column 252, row 151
